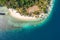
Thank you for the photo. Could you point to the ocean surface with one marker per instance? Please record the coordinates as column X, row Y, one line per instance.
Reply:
column 49, row 31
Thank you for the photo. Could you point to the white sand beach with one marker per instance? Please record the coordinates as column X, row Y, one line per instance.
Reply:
column 16, row 15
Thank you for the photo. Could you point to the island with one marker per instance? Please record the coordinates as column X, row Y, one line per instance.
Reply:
column 31, row 8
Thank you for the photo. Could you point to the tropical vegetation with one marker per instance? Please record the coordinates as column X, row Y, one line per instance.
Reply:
column 22, row 5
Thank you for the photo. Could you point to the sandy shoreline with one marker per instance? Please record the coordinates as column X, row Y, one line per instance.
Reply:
column 14, row 13
column 17, row 15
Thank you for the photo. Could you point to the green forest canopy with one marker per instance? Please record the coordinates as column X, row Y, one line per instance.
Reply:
column 25, row 3
column 20, row 3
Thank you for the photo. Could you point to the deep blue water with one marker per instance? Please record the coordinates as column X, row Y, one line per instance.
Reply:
column 50, row 31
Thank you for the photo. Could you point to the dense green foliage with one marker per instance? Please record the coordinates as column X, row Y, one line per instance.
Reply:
column 18, row 4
